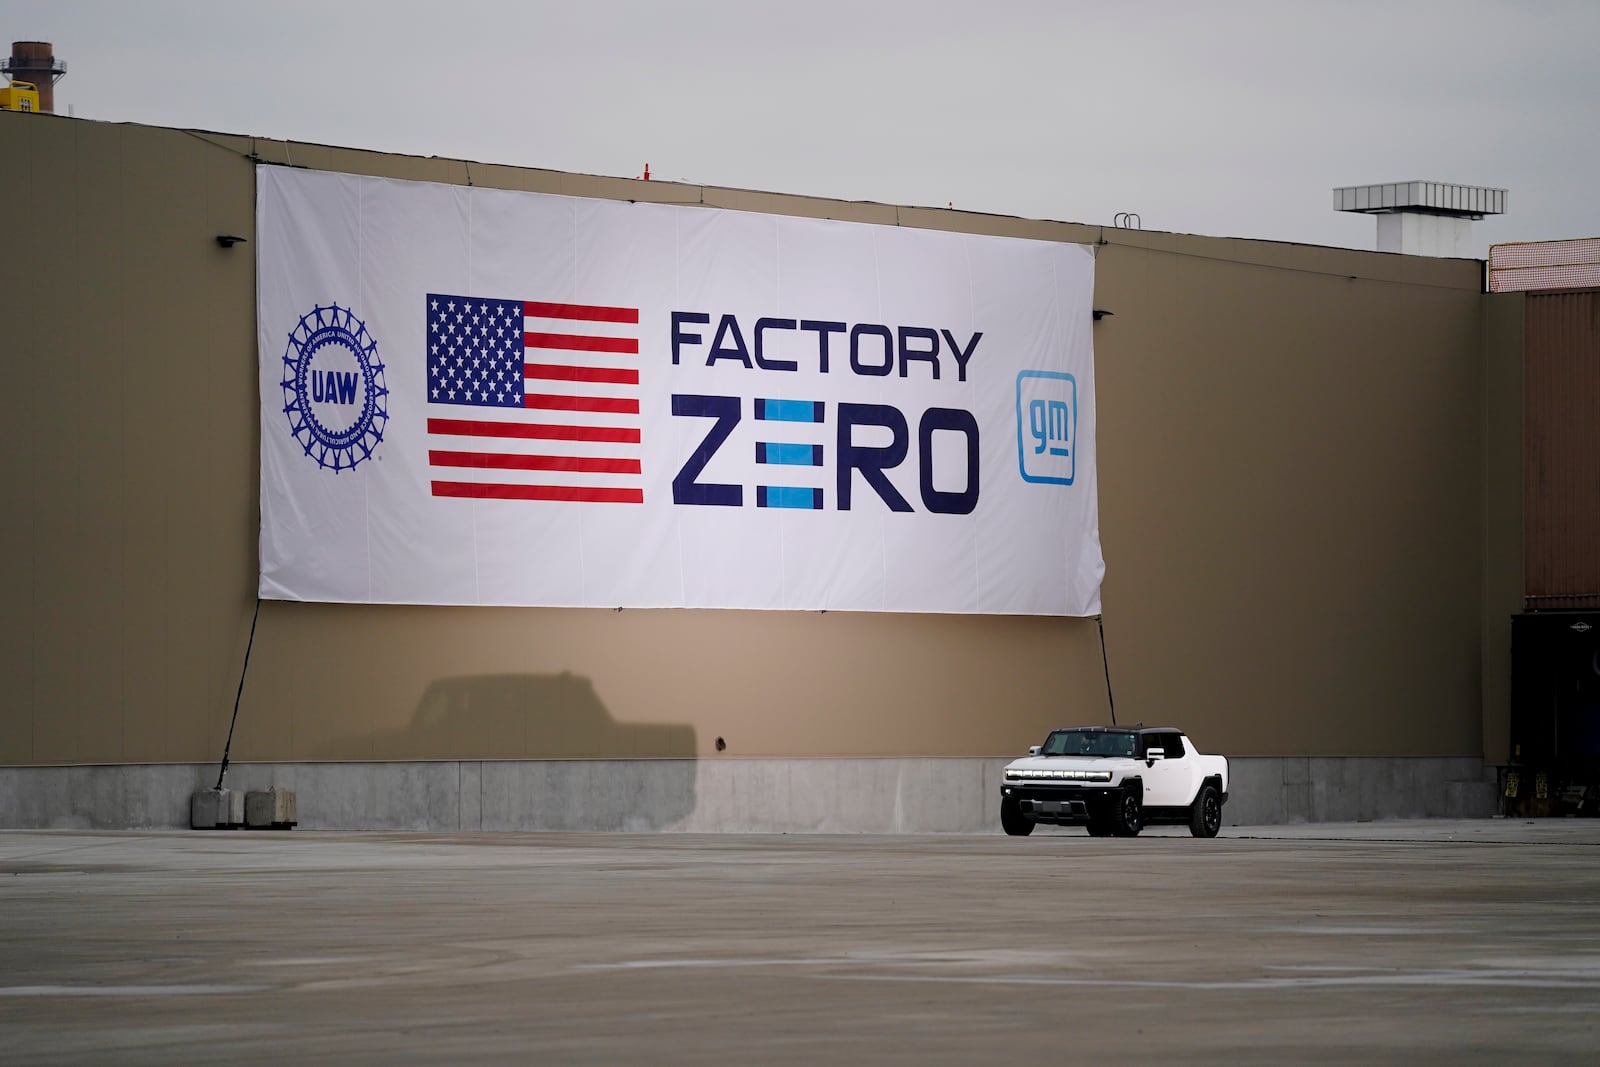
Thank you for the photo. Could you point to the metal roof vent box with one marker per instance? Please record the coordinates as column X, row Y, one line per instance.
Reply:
column 1423, row 218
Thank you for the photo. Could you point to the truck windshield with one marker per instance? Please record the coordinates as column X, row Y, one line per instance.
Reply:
column 1088, row 743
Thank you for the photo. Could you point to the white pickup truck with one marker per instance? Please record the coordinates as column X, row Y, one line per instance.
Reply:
column 1115, row 782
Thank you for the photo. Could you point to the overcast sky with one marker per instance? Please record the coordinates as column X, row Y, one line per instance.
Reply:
column 1228, row 118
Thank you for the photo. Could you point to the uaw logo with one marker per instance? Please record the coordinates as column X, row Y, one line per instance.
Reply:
column 1047, row 426
column 333, row 389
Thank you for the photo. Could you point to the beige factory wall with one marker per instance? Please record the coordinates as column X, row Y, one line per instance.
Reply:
column 1290, row 495
column 1503, row 345
column 126, row 445
column 1291, row 501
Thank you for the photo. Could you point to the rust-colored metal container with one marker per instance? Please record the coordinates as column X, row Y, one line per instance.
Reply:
column 1561, row 485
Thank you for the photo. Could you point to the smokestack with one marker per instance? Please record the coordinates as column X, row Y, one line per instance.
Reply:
column 35, row 61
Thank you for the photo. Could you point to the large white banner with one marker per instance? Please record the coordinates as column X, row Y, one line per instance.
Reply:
column 475, row 396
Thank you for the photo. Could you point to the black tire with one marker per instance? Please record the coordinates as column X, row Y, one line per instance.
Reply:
column 1012, row 821
column 1127, row 817
column 1205, row 814
column 1099, row 828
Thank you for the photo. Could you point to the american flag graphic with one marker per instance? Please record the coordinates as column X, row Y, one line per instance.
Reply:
column 554, row 393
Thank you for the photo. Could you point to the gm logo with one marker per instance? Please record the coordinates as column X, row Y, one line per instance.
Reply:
column 1047, row 426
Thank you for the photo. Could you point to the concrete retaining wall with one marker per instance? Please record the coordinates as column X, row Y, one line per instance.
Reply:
column 709, row 796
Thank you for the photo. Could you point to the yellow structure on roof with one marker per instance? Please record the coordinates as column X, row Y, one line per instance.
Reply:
column 19, row 96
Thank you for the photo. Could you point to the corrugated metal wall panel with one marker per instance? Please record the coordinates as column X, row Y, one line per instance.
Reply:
column 1562, row 423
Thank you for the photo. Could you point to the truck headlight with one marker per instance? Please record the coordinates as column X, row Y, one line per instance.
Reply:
column 1057, row 774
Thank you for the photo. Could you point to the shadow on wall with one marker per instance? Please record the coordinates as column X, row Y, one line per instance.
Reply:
column 539, row 737
column 526, row 716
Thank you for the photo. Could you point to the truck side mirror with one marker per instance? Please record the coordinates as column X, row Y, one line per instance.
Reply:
column 1153, row 754
column 1033, row 750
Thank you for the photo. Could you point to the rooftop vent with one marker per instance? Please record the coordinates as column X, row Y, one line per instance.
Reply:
column 1423, row 218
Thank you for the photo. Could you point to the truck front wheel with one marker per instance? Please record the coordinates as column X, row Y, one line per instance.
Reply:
column 1127, row 818
column 1012, row 821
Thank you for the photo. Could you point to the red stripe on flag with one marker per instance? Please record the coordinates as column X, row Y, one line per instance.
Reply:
column 620, row 435
column 538, row 309
column 575, row 342
column 553, row 402
column 505, row 462
column 554, row 372
column 484, row 491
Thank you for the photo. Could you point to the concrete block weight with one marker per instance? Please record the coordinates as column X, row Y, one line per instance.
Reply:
column 270, row 809
column 216, row 809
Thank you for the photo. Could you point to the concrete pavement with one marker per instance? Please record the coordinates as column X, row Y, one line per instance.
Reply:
column 1427, row 941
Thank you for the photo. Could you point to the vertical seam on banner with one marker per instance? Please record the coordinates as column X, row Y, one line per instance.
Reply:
column 361, row 288
column 583, row 534
column 783, row 548
column 1059, row 338
column 677, row 302
column 883, row 526
column 972, row 325
column 477, row 506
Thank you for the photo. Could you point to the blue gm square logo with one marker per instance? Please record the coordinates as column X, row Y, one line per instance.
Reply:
column 1047, row 426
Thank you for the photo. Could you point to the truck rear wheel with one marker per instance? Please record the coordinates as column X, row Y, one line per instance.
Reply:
column 1205, row 814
